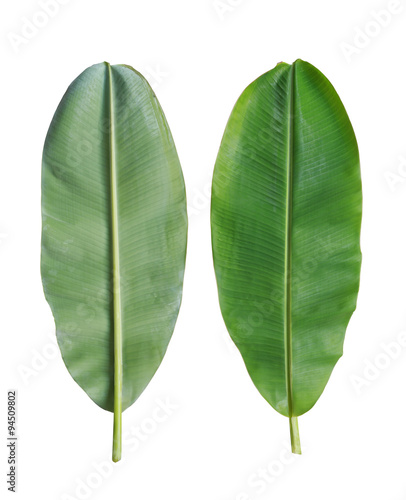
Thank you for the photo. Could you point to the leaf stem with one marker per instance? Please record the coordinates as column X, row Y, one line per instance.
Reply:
column 117, row 431
column 294, row 435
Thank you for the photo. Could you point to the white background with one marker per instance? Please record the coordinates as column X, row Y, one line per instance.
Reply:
column 199, row 56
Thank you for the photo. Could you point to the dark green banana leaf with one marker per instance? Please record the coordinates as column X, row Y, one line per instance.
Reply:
column 286, row 215
column 114, row 234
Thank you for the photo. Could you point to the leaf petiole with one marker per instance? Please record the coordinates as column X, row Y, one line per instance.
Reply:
column 294, row 435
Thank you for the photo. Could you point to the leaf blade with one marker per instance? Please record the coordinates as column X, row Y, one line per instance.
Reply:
column 114, row 233
column 272, row 282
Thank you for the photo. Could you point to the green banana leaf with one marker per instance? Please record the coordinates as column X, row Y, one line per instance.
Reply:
column 286, row 215
column 114, row 234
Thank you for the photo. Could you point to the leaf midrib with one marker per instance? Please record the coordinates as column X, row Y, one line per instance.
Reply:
column 288, row 246
column 117, row 319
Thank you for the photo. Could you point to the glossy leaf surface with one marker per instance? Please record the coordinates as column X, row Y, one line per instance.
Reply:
column 286, row 214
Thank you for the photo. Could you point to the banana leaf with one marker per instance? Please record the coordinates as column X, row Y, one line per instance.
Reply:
column 285, row 219
column 113, row 235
